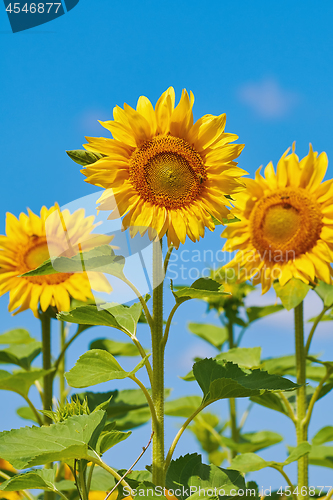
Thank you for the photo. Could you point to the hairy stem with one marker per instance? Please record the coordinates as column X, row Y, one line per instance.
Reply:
column 158, row 366
column 48, row 379
column 301, row 429
column 232, row 401
column 61, row 367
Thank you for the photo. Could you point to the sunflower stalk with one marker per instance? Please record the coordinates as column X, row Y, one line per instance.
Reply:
column 158, row 366
column 232, row 401
column 301, row 428
column 48, row 379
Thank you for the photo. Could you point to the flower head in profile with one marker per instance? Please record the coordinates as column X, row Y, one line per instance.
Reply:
column 164, row 172
column 286, row 223
column 30, row 241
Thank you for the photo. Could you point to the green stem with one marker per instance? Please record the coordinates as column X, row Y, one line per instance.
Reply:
column 169, row 320
column 301, row 429
column 82, row 473
column 288, row 407
column 232, row 402
column 91, row 470
column 143, row 355
column 158, row 366
column 35, row 412
column 313, row 329
column 149, row 401
column 179, row 434
column 285, row 477
column 61, row 367
column 314, row 398
column 48, row 380
column 98, row 461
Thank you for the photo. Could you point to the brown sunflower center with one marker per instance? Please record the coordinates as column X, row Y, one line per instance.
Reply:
column 167, row 171
column 37, row 253
column 285, row 224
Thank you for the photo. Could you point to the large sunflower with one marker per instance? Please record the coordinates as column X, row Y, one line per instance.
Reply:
column 163, row 171
column 29, row 241
column 286, row 223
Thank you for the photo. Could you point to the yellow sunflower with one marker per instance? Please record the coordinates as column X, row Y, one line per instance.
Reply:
column 163, row 171
column 286, row 223
column 29, row 241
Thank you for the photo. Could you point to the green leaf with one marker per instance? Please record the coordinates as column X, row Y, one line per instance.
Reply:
column 20, row 381
column 115, row 315
column 109, row 439
column 254, row 313
column 214, row 335
column 21, row 354
column 325, row 292
column 42, row 479
column 203, row 288
column 248, row 357
column 97, row 366
column 182, row 407
column 30, row 446
column 250, row 462
column 219, row 380
column 325, row 435
column 252, row 441
column 26, row 413
column 17, row 336
column 83, row 157
column 292, row 293
column 100, row 259
column 115, row 348
column 190, row 472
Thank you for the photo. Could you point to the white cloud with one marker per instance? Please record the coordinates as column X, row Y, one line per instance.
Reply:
column 267, row 98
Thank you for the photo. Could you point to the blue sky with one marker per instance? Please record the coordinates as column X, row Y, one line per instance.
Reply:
column 267, row 65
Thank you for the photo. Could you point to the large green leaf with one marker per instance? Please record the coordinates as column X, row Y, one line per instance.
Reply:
column 83, row 157
column 20, row 381
column 97, row 366
column 250, row 462
column 43, row 479
column 219, row 380
column 115, row 348
column 21, row 354
column 115, row 315
column 254, row 313
column 182, row 407
column 325, row 435
column 214, row 335
column 100, row 259
column 325, row 292
column 30, row 446
column 252, row 441
column 248, row 357
column 17, row 336
column 203, row 288
column 292, row 293
column 189, row 472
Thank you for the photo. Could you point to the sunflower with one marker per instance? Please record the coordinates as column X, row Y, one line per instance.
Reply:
column 286, row 223
column 9, row 495
column 164, row 172
column 29, row 241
